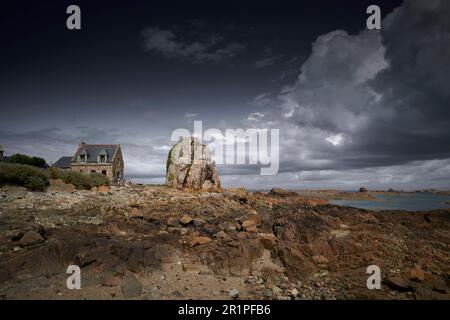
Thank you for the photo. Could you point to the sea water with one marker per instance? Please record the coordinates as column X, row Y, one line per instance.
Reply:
column 422, row 201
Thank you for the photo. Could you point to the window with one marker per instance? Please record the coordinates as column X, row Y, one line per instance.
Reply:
column 118, row 174
column 82, row 158
column 102, row 158
column 93, row 171
column 104, row 172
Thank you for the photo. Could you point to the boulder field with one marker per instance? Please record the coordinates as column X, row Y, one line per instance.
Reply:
column 155, row 242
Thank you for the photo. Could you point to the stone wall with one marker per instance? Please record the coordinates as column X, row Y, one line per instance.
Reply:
column 118, row 165
column 90, row 167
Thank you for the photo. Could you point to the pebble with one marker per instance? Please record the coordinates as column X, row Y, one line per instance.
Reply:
column 233, row 293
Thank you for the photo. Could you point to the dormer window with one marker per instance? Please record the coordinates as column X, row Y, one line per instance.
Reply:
column 102, row 156
column 82, row 157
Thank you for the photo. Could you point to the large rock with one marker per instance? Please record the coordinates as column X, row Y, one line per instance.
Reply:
column 199, row 241
column 30, row 238
column 189, row 165
column 398, row 284
column 185, row 220
column 417, row 274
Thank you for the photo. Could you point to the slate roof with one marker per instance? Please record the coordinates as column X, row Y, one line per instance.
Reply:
column 94, row 150
column 63, row 163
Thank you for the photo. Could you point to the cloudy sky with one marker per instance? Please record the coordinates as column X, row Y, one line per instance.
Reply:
column 354, row 107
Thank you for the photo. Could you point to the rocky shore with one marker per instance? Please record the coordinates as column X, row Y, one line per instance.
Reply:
column 152, row 242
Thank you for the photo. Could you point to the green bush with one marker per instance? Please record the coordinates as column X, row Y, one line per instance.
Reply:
column 98, row 179
column 24, row 159
column 169, row 160
column 78, row 179
column 27, row 176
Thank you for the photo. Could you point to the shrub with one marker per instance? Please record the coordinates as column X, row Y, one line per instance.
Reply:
column 169, row 160
column 78, row 179
column 31, row 161
column 98, row 179
column 27, row 176
column 55, row 173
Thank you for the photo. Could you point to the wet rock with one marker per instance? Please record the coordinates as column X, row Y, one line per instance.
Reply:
column 30, row 238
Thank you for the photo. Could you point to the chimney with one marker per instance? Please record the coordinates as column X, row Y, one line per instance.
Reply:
column 82, row 144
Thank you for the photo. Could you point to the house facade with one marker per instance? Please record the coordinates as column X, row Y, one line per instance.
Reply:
column 95, row 158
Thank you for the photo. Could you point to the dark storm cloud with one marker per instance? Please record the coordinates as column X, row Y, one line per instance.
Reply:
column 370, row 99
column 201, row 48
column 268, row 59
column 353, row 107
column 49, row 144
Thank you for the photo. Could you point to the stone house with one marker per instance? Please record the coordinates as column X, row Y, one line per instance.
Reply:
column 95, row 158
